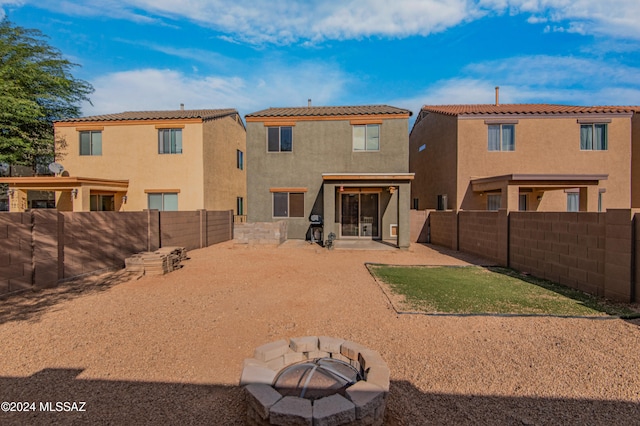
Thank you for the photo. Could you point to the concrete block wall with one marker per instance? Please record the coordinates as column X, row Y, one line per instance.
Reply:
column 593, row 252
column 418, row 224
column 443, row 226
column 260, row 232
column 16, row 267
column 568, row 248
column 485, row 234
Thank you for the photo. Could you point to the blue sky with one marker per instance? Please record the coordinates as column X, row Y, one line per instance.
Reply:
column 250, row 55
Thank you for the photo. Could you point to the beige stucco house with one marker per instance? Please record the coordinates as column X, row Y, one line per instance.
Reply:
column 131, row 161
column 537, row 157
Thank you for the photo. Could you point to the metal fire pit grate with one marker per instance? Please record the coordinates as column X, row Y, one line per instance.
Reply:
column 316, row 379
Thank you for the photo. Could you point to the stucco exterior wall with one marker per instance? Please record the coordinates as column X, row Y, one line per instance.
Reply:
column 435, row 166
column 545, row 145
column 224, row 182
column 323, row 146
column 635, row 161
column 130, row 151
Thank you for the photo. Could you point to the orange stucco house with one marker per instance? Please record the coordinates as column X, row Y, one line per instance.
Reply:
column 131, row 161
column 533, row 157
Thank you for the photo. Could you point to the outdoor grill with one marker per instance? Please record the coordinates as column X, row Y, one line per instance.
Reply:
column 316, row 227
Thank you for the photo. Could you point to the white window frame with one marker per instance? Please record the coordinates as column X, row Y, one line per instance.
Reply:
column 91, row 142
column 280, row 128
column 288, row 210
column 163, row 194
column 502, row 147
column 573, row 198
column 590, row 145
column 366, row 128
column 178, row 145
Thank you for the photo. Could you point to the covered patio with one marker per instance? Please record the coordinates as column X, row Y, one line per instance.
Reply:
column 76, row 194
column 526, row 191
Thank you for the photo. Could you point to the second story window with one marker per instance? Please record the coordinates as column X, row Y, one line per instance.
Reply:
column 280, row 139
column 240, row 160
column 91, row 143
column 169, row 141
column 593, row 137
column 366, row 137
column 502, row 137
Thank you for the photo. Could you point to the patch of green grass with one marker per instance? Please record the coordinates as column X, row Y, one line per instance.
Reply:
column 476, row 290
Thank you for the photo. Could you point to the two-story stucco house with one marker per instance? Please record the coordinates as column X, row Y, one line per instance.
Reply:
column 348, row 164
column 536, row 157
column 164, row 160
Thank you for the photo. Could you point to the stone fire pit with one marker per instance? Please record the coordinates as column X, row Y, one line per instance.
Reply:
column 340, row 383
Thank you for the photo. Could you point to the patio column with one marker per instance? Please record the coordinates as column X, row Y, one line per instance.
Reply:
column 329, row 213
column 17, row 200
column 510, row 197
column 404, row 204
column 589, row 199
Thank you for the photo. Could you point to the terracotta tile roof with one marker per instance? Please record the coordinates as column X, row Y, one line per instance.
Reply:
column 322, row 111
column 205, row 114
column 524, row 109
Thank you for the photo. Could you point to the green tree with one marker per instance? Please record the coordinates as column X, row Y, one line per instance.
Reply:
column 36, row 88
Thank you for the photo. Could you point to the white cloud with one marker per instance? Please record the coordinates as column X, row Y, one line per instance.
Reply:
column 535, row 79
column 157, row 89
column 5, row 3
column 289, row 21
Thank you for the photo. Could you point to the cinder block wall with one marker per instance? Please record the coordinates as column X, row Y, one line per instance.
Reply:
column 444, row 228
column 568, row 248
column 593, row 252
column 485, row 234
column 418, row 224
column 261, row 232
column 15, row 252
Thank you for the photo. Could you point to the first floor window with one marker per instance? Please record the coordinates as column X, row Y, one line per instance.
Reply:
column 442, row 202
column 573, row 201
column 163, row 201
column 91, row 143
column 493, row 202
column 502, row 137
column 280, row 139
column 169, row 141
column 101, row 203
column 366, row 137
column 593, row 137
column 288, row 204
column 239, row 206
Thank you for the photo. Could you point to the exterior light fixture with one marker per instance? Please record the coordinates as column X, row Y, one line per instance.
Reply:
column 392, row 189
column 74, row 192
column 124, row 199
column 341, row 188
column 10, row 192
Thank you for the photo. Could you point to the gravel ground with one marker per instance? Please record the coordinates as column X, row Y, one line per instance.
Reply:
column 169, row 349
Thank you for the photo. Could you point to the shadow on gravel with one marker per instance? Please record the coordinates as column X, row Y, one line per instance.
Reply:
column 145, row 403
column 408, row 406
column 30, row 305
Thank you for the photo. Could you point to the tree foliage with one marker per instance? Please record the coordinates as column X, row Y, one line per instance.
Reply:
column 36, row 88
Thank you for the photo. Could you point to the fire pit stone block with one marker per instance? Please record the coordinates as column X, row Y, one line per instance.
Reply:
column 329, row 344
column 333, row 410
column 304, row 344
column 292, row 410
column 366, row 397
column 271, row 350
column 261, row 398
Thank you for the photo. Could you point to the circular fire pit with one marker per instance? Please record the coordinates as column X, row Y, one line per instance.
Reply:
column 315, row 381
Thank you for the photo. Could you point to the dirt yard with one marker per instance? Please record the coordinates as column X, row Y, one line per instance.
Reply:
column 169, row 349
